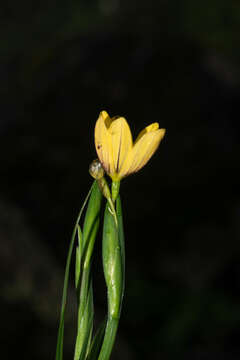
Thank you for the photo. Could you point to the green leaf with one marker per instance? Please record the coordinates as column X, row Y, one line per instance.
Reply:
column 97, row 342
column 121, row 239
column 78, row 258
column 85, row 326
column 91, row 224
column 85, row 302
column 77, row 267
column 113, row 264
column 59, row 348
column 109, row 338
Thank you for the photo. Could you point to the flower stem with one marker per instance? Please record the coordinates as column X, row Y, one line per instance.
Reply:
column 115, row 190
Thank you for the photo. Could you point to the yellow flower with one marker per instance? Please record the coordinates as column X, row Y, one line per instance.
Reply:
column 118, row 154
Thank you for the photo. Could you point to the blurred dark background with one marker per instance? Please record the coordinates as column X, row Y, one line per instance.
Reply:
column 177, row 63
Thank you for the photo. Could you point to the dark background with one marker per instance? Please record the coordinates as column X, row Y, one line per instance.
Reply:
column 177, row 63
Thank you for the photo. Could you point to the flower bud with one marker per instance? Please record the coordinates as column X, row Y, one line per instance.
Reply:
column 96, row 170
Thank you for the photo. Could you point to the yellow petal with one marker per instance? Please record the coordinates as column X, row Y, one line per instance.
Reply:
column 106, row 118
column 121, row 142
column 103, row 141
column 149, row 128
column 144, row 147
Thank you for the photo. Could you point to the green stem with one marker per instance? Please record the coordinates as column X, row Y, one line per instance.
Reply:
column 115, row 190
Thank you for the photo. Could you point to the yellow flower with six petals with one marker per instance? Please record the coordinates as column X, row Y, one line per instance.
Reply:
column 117, row 152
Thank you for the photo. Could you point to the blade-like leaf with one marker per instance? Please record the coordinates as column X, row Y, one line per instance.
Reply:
column 113, row 260
column 97, row 342
column 78, row 258
column 85, row 306
column 121, row 239
column 109, row 338
column 85, row 326
column 59, row 349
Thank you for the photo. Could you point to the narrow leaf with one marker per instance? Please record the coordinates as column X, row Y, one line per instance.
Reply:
column 78, row 258
column 113, row 272
column 85, row 328
column 109, row 338
column 121, row 239
column 59, row 349
column 85, row 302
column 97, row 342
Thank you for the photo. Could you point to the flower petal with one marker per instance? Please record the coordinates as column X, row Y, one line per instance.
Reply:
column 103, row 141
column 149, row 128
column 144, row 147
column 121, row 142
